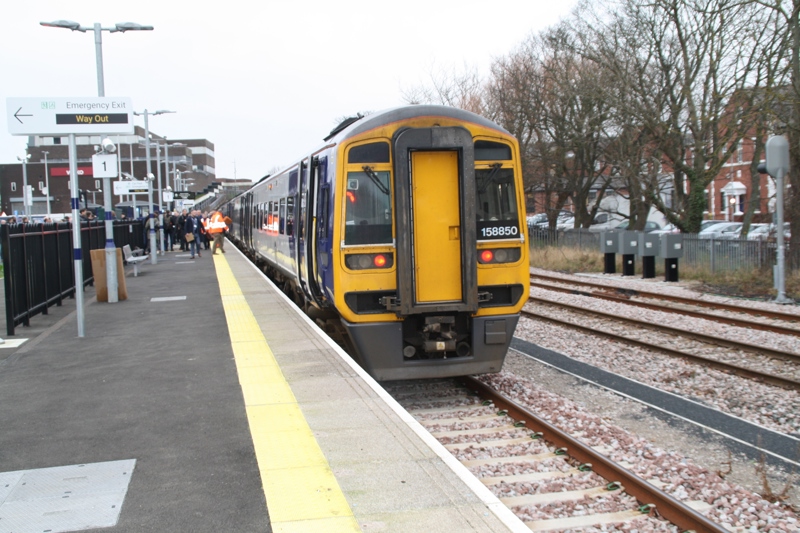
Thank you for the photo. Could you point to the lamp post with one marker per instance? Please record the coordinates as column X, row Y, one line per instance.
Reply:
column 98, row 40
column 151, row 219
column 25, row 194
column 47, row 181
column 111, row 250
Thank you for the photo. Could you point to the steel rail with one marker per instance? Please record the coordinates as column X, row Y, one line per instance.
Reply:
column 720, row 365
column 777, row 315
column 738, row 322
column 670, row 508
column 701, row 337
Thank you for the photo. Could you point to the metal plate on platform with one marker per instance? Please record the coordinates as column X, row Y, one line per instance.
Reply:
column 64, row 498
column 12, row 343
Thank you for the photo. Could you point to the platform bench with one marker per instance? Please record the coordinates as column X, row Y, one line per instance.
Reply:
column 134, row 259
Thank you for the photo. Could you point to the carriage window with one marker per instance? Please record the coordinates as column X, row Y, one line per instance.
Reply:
column 282, row 216
column 496, row 207
column 368, row 207
column 290, row 215
column 324, row 200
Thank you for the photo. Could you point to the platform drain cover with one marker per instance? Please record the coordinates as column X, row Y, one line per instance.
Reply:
column 63, row 498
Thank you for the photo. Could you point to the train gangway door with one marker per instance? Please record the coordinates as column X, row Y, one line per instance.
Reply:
column 437, row 226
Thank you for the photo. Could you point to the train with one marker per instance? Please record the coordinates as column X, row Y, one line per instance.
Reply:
column 403, row 235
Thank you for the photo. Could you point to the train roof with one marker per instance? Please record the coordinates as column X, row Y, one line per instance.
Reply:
column 357, row 125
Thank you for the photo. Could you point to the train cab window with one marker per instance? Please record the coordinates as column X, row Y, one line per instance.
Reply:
column 496, row 196
column 368, row 207
column 495, row 192
column 282, row 216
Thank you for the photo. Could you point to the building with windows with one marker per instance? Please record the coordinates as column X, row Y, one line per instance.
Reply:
column 183, row 165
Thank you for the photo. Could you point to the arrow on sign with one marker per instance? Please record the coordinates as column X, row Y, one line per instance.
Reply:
column 17, row 115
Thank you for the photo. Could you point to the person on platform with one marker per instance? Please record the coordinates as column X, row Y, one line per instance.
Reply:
column 216, row 228
column 192, row 235
column 182, row 230
column 199, row 229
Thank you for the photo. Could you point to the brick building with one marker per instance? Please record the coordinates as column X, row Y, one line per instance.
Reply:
column 190, row 168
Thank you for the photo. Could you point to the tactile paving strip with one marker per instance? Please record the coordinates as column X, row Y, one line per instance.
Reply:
column 63, row 498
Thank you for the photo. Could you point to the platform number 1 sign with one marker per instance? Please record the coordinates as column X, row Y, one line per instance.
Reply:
column 104, row 165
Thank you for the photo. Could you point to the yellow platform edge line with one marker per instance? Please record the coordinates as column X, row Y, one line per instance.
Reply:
column 312, row 475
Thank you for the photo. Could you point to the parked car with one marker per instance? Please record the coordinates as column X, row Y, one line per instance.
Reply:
column 715, row 231
column 565, row 219
column 766, row 232
column 648, row 226
column 759, row 232
column 603, row 222
column 730, row 233
column 708, row 223
column 535, row 220
column 565, row 222
column 669, row 228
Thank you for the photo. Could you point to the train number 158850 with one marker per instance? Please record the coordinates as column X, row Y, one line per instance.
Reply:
column 497, row 231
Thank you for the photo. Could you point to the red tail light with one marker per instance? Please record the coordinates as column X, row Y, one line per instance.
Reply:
column 499, row 255
column 368, row 261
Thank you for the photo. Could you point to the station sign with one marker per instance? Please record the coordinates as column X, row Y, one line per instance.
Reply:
column 63, row 116
column 131, row 187
column 104, row 165
column 64, row 171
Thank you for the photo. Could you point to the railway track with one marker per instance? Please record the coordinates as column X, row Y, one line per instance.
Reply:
column 783, row 323
column 778, row 367
column 549, row 478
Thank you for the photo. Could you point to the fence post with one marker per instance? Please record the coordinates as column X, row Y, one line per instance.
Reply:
column 713, row 255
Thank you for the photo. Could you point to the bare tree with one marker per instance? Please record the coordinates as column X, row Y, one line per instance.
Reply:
column 690, row 72
column 552, row 100
column 787, row 107
column 464, row 90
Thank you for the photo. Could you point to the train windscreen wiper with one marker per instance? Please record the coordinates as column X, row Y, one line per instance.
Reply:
column 484, row 184
column 375, row 179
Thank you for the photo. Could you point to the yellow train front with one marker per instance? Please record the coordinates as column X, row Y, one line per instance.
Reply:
column 429, row 246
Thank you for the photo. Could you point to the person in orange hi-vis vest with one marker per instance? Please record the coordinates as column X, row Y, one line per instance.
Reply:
column 216, row 227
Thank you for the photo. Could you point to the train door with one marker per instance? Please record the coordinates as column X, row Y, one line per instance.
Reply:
column 323, row 234
column 307, row 229
column 436, row 244
column 435, row 199
column 247, row 219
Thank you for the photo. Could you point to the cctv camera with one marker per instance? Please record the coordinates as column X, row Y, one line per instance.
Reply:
column 109, row 146
column 150, row 176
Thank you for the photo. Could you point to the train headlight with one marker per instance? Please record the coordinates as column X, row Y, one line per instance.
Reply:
column 367, row 261
column 499, row 255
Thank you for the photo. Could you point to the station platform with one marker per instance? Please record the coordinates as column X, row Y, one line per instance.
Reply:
column 207, row 402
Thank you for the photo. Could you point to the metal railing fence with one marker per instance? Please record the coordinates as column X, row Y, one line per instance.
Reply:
column 715, row 255
column 38, row 263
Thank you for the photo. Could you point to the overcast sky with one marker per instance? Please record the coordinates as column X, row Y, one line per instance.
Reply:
column 264, row 80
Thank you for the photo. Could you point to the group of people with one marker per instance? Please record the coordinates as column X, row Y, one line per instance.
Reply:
column 194, row 231
column 25, row 220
